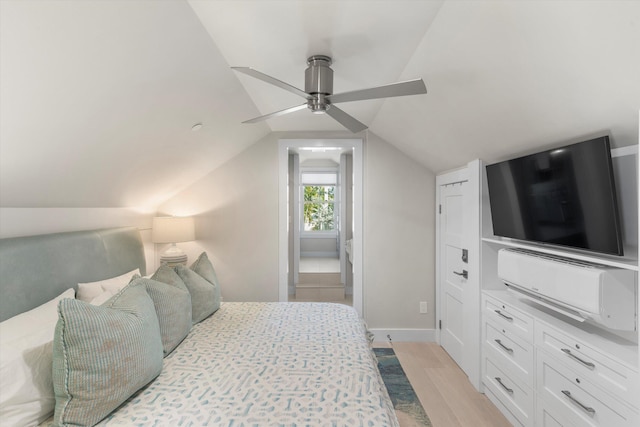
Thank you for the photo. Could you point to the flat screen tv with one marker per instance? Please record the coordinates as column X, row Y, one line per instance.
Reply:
column 565, row 196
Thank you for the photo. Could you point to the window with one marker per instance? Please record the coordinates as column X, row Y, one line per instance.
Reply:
column 319, row 213
column 319, row 207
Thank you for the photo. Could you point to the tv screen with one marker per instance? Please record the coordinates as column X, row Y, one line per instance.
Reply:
column 565, row 196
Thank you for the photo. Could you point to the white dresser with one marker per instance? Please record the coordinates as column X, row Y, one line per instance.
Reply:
column 544, row 370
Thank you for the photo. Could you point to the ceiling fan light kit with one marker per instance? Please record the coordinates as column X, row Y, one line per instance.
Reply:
column 318, row 91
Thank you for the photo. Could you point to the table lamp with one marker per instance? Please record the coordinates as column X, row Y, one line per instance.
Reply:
column 173, row 229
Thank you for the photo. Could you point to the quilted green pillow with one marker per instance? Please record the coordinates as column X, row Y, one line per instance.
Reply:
column 173, row 307
column 103, row 354
column 205, row 296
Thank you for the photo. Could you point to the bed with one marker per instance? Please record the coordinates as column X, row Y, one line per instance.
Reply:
column 247, row 364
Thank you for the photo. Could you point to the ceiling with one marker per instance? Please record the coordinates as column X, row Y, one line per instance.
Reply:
column 97, row 98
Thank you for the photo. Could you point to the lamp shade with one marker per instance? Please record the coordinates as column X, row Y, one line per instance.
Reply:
column 172, row 229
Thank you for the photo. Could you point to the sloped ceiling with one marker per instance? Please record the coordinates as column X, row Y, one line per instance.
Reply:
column 509, row 77
column 97, row 98
column 97, row 101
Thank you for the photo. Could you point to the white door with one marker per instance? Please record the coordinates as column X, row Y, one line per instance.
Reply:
column 454, row 268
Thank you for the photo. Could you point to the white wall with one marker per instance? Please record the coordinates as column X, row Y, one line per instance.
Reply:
column 399, row 238
column 236, row 209
column 16, row 222
column 236, row 212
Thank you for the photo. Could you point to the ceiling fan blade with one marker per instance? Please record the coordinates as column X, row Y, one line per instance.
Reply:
column 268, row 79
column 276, row 114
column 345, row 119
column 410, row 87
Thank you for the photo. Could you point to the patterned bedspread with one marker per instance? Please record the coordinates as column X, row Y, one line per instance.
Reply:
column 267, row 364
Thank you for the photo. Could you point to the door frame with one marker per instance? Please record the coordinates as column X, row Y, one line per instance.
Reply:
column 472, row 325
column 356, row 144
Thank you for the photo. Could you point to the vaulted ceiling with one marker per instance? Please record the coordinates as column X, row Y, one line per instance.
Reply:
column 98, row 98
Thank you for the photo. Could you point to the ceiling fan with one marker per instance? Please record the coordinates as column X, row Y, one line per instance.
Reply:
column 318, row 91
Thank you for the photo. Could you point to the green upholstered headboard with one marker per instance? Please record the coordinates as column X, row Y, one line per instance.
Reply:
column 36, row 269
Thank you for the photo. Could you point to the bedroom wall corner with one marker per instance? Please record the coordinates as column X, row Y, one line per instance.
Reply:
column 236, row 217
column 399, row 239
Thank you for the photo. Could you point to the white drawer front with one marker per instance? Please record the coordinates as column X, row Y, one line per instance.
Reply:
column 582, row 403
column 549, row 415
column 590, row 364
column 509, row 317
column 508, row 349
column 515, row 396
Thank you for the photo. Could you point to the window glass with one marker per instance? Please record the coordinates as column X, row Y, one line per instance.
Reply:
column 319, row 207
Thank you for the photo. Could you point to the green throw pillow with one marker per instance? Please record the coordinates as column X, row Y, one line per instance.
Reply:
column 204, row 268
column 166, row 274
column 205, row 296
column 103, row 354
column 173, row 307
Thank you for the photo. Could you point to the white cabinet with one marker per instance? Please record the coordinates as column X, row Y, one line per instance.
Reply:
column 508, row 359
column 510, row 351
column 542, row 370
column 507, row 316
column 512, row 393
column 578, row 400
column 590, row 363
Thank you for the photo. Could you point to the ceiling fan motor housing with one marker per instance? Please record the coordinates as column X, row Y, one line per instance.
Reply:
column 318, row 77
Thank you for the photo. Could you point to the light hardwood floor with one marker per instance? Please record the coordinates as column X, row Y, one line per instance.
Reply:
column 443, row 389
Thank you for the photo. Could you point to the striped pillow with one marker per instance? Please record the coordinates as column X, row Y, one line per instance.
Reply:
column 173, row 307
column 103, row 354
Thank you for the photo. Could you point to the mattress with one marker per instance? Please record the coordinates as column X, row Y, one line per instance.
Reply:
column 267, row 364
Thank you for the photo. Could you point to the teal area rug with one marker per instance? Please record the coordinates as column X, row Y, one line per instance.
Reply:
column 405, row 401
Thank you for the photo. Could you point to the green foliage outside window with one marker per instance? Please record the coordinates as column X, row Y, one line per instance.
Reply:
column 319, row 207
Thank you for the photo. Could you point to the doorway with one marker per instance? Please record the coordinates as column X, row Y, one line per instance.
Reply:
column 320, row 220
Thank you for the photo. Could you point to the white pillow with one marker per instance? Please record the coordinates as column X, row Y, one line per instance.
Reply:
column 88, row 291
column 102, row 298
column 27, row 396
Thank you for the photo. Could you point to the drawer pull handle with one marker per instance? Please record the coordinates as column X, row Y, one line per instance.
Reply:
column 573, row 356
column 508, row 390
column 504, row 315
column 507, row 349
column 587, row 409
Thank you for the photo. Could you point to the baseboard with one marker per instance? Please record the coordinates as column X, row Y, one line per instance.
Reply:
column 404, row 335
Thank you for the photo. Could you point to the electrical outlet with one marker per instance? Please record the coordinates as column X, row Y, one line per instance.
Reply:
column 423, row 307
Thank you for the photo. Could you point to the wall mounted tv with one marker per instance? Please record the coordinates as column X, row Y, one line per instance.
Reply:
column 565, row 196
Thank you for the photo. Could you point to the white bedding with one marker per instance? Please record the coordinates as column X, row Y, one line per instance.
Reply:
column 267, row 364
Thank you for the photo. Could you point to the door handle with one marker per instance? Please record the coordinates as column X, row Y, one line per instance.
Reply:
column 464, row 273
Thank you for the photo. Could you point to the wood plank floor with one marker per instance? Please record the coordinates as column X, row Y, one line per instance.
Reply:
column 443, row 389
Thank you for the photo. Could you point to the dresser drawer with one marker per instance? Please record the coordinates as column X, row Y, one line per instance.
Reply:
column 515, row 396
column 508, row 317
column 547, row 415
column 589, row 363
column 509, row 351
column 578, row 400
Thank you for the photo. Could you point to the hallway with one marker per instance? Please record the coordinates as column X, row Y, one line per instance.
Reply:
column 319, row 281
